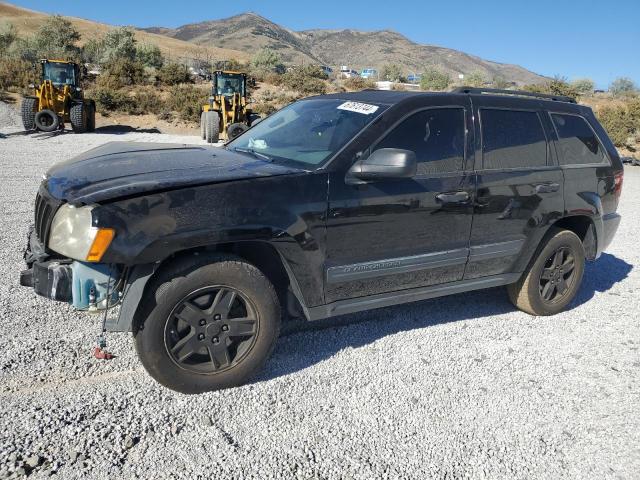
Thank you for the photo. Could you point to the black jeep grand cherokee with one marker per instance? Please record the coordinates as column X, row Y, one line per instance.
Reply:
column 335, row 204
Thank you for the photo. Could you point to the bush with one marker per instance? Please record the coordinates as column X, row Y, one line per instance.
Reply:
column 392, row 73
column 149, row 55
column 15, row 72
column 122, row 72
column 174, row 74
column 584, row 86
column 501, row 83
column 266, row 60
column 111, row 100
column 308, row 80
column 144, row 102
column 8, row 35
column 475, row 79
column 187, row 101
column 433, row 79
column 618, row 123
column 56, row 38
column 119, row 44
column 557, row 86
column 355, row 84
column 622, row 86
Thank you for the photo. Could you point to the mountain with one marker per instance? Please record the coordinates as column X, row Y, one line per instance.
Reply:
column 27, row 22
column 248, row 32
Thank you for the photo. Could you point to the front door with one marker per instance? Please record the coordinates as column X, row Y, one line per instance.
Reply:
column 392, row 235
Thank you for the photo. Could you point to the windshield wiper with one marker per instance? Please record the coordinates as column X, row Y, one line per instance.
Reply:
column 254, row 153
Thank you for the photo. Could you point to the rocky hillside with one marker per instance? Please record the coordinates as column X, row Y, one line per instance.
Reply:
column 248, row 32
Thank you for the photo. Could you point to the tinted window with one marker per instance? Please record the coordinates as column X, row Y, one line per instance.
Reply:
column 436, row 136
column 578, row 144
column 512, row 139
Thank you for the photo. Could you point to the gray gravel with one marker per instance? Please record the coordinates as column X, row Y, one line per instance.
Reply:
column 459, row 387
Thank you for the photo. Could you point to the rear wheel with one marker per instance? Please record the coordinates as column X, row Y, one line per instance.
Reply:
column 208, row 326
column 78, row 116
column 553, row 279
column 203, row 126
column 236, row 129
column 212, row 127
column 29, row 108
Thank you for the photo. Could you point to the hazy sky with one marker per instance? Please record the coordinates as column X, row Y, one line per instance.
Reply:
column 599, row 40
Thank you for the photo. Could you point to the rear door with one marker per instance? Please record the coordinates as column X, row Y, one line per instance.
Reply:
column 393, row 235
column 519, row 184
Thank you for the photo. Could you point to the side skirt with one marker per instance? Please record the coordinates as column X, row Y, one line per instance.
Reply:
column 371, row 302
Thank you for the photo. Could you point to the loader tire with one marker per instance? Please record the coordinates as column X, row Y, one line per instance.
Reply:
column 236, row 129
column 212, row 127
column 203, row 125
column 91, row 117
column 29, row 109
column 47, row 121
column 78, row 116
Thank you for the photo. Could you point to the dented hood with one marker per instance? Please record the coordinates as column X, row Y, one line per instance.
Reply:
column 122, row 169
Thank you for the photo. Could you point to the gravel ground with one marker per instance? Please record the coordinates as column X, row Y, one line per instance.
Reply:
column 458, row 387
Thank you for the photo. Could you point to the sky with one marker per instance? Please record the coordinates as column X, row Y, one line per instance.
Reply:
column 575, row 39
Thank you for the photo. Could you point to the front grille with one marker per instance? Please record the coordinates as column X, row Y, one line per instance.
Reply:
column 45, row 209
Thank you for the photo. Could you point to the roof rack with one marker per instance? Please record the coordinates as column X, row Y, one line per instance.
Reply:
column 518, row 93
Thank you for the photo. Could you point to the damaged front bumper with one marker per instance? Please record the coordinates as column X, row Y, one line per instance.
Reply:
column 86, row 286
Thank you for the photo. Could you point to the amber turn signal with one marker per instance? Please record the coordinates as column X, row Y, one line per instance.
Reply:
column 100, row 244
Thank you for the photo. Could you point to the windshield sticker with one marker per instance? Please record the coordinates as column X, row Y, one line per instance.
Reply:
column 363, row 108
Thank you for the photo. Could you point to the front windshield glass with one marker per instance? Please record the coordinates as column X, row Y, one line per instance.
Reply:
column 59, row 73
column 309, row 132
column 229, row 83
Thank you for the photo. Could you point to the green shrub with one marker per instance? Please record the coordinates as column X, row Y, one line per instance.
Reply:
column 475, row 79
column 144, row 102
column 8, row 35
column 119, row 44
column 56, row 38
column 622, row 86
column 266, row 60
column 392, row 73
column 187, row 101
column 111, row 100
column 556, row 86
column 618, row 123
column 584, row 86
column 122, row 72
column 308, row 80
column 149, row 55
column 433, row 79
column 174, row 74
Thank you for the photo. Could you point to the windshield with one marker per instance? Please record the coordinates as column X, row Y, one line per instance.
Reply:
column 229, row 83
column 59, row 73
column 309, row 132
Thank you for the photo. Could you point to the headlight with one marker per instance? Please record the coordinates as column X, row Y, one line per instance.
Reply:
column 74, row 236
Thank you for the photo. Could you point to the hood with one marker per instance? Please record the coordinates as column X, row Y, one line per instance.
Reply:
column 120, row 169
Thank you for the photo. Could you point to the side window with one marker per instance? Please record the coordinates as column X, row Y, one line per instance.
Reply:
column 578, row 144
column 436, row 136
column 512, row 139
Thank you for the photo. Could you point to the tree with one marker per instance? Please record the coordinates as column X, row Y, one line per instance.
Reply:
column 266, row 60
column 622, row 86
column 557, row 86
column 475, row 79
column 392, row 73
column 8, row 35
column 433, row 79
column 584, row 86
column 56, row 37
column 119, row 44
column 150, row 55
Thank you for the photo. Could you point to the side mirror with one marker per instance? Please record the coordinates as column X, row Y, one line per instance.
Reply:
column 385, row 163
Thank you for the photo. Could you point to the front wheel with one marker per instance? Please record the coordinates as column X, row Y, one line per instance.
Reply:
column 553, row 278
column 208, row 326
column 212, row 127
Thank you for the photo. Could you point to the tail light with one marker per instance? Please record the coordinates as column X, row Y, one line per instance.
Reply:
column 617, row 186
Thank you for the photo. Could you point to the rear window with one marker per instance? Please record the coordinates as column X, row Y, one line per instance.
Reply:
column 577, row 142
column 512, row 139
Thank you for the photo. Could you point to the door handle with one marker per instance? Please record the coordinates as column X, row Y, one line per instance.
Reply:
column 453, row 197
column 547, row 187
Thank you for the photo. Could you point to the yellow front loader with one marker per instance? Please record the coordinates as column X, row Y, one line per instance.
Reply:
column 226, row 115
column 58, row 99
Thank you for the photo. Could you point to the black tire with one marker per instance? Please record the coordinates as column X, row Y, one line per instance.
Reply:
column 203, row 126
column 29, row 108
column 212, row 127
column 236, row 129
column 78, row 116
column 47, row 121
column 163, row 334
column 91, row 117
column 553, row 277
